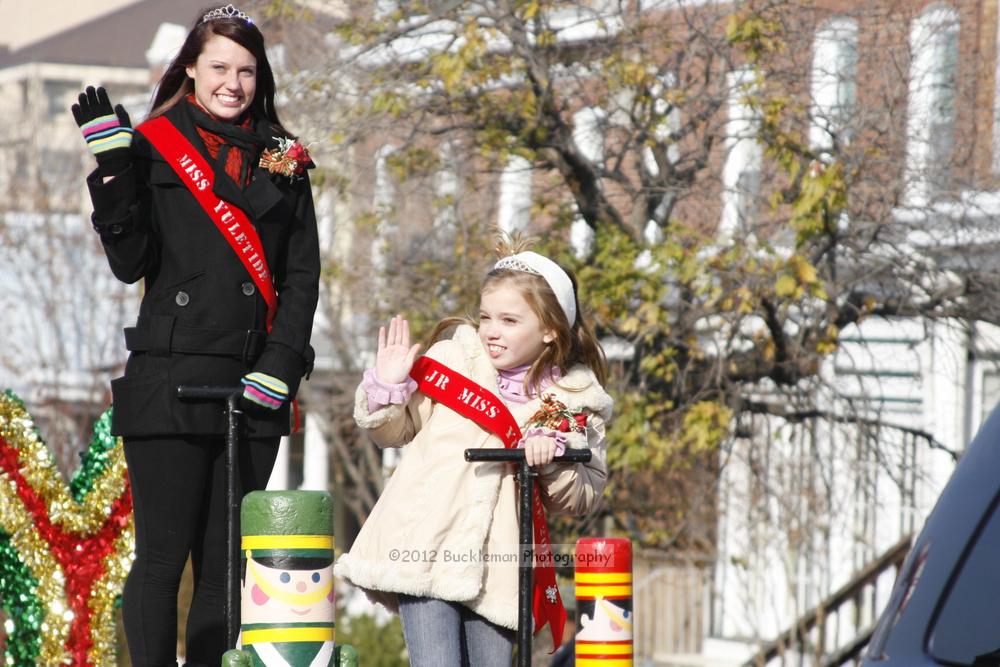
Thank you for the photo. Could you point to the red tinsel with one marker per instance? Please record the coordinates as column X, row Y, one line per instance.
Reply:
column 81, row 557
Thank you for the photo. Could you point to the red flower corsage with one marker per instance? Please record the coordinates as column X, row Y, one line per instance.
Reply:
column 555, row 415
column 289, row 159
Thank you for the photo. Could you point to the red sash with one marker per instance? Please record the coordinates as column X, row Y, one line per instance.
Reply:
column 195, row 172
column 475, row 402
column 234, row 225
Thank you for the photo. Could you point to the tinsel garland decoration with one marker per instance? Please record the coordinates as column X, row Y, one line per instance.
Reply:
column 64, row 552
column 24, row 609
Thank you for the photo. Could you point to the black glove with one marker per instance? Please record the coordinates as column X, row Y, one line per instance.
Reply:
column 108, row 131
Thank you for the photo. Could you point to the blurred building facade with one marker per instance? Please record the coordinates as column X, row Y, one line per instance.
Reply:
column 930, row 69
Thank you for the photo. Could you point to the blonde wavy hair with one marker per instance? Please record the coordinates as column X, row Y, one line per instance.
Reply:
column 571, row 344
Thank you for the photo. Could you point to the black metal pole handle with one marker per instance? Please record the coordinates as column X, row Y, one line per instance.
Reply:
column 216, row 392
column 569, row 456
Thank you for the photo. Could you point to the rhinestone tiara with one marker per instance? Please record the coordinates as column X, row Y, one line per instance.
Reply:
column 227, row 12
column 514, row 263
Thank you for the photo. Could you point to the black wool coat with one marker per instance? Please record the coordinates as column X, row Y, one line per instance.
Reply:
column 202, row 320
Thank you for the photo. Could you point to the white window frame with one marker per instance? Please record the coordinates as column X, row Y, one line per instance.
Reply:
column 833, row 82
column 383, row 200
column 670, row 123
column 588, row 134
column 514, row 208
column 447, row 186
column 744, row 156
column 931, row 115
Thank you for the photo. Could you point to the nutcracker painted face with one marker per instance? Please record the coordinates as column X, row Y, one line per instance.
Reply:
column 606, row 621
column 287, row 589
column 287, row 600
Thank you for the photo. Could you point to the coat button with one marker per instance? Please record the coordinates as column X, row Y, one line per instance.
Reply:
column 249, row 288
column 182, row 299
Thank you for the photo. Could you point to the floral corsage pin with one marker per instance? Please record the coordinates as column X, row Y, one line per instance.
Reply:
column 289, row 159
column 555, row 415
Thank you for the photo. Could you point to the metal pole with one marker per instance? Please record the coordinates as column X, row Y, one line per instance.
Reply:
column 231, row 395
column 232, row 606
column 526, row 488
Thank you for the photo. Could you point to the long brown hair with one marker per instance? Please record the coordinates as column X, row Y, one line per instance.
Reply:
column 571, row 345
column 175, row 84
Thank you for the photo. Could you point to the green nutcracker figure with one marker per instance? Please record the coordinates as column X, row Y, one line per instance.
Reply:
column 286, row 590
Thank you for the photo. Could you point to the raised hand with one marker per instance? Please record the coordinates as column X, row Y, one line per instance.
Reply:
column 395, row 355
column 107, row 130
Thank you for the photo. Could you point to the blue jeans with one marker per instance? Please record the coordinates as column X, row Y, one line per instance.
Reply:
column 448, row 634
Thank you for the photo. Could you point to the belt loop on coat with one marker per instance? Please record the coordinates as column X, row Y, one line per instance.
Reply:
column 253, row 345
column 161, row 334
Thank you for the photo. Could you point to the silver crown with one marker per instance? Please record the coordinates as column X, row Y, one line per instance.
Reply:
column 512, row 263
column 227, row 12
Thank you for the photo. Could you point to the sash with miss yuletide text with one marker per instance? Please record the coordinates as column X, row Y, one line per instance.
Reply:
column 234, row 225
column 195, row 172
column 475, row 402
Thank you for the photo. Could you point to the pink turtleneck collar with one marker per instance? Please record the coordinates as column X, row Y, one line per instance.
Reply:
column 510, row 383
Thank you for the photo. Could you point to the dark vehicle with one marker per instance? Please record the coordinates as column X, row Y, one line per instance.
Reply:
column 945, row 606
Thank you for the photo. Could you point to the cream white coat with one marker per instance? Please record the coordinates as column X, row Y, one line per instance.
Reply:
column 445, row 528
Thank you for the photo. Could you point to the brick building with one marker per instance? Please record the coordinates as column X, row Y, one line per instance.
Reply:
column 902, row 93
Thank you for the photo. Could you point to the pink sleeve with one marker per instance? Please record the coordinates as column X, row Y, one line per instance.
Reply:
column 537, row 430
column 381, row 394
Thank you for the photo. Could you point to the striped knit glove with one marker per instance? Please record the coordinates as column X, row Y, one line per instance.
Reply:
column 264, row 390
column 107, row 130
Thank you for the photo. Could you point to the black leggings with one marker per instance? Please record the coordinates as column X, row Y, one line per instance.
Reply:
column 178, row 496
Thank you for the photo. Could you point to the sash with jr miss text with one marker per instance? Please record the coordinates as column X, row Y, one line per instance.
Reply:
column 475, row 402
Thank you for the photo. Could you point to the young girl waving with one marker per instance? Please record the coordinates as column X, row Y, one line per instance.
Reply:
column 441, row 544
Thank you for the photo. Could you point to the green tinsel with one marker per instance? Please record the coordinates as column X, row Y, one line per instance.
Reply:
column 9, row 393
column 96, row 459
column 24, row 609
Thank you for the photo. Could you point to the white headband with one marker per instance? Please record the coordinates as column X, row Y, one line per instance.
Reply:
column 558, row 280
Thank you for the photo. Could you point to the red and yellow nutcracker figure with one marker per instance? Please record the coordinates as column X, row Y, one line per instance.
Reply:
column 604, row 602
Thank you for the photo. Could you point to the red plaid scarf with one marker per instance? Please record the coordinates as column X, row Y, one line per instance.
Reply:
column 213, row 142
